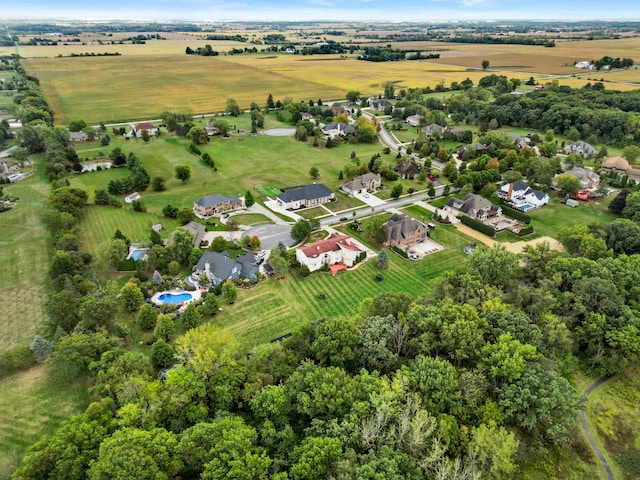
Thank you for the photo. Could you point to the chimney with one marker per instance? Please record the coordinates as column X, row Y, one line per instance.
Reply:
column 207, row 269
column 510, row 192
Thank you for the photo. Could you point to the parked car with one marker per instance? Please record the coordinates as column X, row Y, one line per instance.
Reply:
column 343, row 219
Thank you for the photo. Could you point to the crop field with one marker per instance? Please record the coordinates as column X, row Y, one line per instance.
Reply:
column 105, row 89
column 24, row 256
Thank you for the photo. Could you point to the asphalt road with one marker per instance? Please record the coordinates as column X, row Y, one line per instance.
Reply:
column 589, row 435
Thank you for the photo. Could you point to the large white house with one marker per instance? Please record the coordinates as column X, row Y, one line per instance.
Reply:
column 519, row 193
column 362, row 184
column 335, row 249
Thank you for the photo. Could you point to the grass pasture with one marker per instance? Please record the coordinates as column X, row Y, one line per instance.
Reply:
column 24, row 255
column 32, row 407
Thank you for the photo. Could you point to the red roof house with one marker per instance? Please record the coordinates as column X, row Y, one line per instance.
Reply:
column 333, row 250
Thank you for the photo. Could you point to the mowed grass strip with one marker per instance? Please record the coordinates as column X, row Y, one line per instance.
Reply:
column 24, row 256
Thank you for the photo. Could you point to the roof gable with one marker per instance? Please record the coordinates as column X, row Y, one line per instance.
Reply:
column 307, row 192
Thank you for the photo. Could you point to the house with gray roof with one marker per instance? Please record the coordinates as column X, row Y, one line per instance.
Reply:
column 402, row 230
column 432, row 129
column 219, row 267
column 414, row 120
column 215, row 204
column 476, row 207
column 78, row 136
column 589, row 179
column 338, row 128
column 306, row 196
column 362, row 184
column 197, row 230
column 581, row 148
column 519, row 193
column 517, row 140
column 380, row 105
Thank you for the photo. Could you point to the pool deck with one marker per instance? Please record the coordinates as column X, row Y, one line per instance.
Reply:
column 195, row 295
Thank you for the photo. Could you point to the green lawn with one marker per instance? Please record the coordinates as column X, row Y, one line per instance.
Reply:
column 32, row 407
column 550, row 219
column 99, row 223
column 250, row 219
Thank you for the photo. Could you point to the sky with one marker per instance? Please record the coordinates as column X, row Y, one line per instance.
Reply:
column 343, row 10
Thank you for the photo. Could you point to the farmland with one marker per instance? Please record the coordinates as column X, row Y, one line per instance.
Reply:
column 248, row 78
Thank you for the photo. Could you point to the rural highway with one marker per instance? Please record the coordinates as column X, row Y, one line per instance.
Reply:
column 585, row 428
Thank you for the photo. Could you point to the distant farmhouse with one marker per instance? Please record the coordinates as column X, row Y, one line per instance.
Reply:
column 219, row 267
column 334, row 250
column 362, row 184
column 215, row 204
column 306, row 196
column 584, row 65
column 402, row 230
column 476, row 207
column 150, row 128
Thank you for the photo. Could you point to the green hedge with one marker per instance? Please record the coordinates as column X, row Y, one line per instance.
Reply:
column 400, row 252
column 525, row 231
column 479, row 226
column 515, row 213
column 16, row 359
column 127, row 265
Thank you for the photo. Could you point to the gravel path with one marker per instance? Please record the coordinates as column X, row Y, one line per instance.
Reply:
column 279, row 132
column 589, row 435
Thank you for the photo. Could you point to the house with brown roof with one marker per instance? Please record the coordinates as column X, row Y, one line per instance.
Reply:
column 620, row 166
column 215, row 204
column 363, row 183
column 338, row 110
column 150, row 128
column 434, row 128
column 475, row 206
column 408, row 169
column 335, row 249
column 402, row 230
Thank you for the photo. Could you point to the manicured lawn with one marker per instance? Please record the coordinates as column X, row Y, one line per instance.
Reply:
column 343, row 202
column 315, row 212
column 32, row 407
column 251, row 219
column 550, row 219
column 418, row 212
column 99, row 223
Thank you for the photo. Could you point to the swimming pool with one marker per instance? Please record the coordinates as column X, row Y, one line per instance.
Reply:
column 525, row 206
column 175, row 298
column 138, row 254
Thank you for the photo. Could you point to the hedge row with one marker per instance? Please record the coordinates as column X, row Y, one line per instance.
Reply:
column 525, row 231
column 16, row 359
column 479, row 226
column 515, row 213
column 400, row 252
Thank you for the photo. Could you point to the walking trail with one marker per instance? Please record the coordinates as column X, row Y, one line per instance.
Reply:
column 587, row 431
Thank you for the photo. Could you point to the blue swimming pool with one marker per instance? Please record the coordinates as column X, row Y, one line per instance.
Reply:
column 525, row 207
column 138, row 254
column 175, row 298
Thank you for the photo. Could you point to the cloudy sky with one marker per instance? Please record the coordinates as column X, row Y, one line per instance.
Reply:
column 359, row 10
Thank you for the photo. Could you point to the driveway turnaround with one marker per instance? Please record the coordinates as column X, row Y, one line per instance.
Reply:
column 279, row 132
column 271, row 235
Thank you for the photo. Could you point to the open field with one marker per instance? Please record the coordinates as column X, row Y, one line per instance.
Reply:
column 242, row 163
column 32, row 407
column 131, row 94
column 614, row 416
column 251, row 219
column 24, row 256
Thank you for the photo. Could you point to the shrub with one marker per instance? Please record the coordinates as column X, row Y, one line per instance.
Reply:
column 16, row 359
column 147, row 317
column 526, row 231
column 304, row 271
column 121, row 330
column 479, row 226
column 41, row 348
column 379, row 277
column 517, row 214
column 400, row 252
column 162, row 354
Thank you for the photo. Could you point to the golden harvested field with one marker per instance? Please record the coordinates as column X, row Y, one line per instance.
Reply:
column 126, row 88
column 148, row 79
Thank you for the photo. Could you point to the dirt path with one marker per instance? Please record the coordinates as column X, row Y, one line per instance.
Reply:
column 585, row 428
column 481, row 237
column 517, row 247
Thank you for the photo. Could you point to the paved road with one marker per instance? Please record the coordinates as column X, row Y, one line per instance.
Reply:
column 589, row 435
